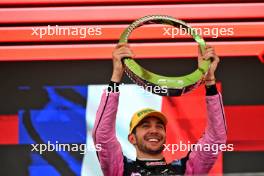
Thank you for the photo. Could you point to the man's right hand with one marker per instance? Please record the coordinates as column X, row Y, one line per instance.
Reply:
column 121, row 51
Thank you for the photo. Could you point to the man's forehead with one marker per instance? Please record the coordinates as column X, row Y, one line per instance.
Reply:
column 151, row 118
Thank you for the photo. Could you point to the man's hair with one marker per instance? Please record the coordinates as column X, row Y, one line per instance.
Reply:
column 134, row 131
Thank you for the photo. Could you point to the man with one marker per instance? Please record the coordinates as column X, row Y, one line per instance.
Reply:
column 148, row 130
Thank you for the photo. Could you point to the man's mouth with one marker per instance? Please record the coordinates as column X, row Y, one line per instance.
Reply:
column 153, row 140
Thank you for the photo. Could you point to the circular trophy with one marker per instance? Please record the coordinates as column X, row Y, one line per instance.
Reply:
column 158, row 84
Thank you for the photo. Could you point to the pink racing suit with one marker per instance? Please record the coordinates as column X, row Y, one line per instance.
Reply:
column 111, row 157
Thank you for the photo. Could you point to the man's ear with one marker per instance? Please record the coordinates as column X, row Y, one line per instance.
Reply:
column 132, row 138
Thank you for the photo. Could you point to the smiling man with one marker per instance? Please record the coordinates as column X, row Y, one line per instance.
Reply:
column 147, row 133
column 148, row 130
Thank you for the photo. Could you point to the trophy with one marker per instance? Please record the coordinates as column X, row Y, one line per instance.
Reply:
column 171, row 86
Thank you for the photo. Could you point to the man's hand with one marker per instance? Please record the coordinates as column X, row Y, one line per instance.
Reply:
column 209, row 54
column 121, row 51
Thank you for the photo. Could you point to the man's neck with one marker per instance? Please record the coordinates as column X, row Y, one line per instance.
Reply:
column 146, row 156
column 148, row 159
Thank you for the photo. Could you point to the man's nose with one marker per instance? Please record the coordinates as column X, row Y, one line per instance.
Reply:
column 153, row 129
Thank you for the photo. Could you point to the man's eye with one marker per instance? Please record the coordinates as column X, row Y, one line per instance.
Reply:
column 160, row 126
column 145, row 125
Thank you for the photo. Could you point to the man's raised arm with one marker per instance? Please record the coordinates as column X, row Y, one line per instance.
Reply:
column 104, row 132
column 200, row 162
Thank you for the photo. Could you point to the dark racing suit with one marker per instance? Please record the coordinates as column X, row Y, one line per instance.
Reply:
column 154, row 167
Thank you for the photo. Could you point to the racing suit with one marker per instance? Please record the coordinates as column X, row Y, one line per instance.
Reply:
column 114, row 163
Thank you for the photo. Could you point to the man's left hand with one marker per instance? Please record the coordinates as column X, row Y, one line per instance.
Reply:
column 209, row 54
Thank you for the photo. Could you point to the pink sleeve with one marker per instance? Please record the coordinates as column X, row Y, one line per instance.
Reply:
column 104, row 133
column 200, row 162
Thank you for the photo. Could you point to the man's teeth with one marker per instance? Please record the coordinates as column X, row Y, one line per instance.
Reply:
column 153, row 140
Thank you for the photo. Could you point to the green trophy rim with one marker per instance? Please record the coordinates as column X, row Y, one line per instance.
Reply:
column 149, row 77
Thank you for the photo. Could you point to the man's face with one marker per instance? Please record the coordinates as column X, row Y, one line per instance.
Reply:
column 150, row 135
